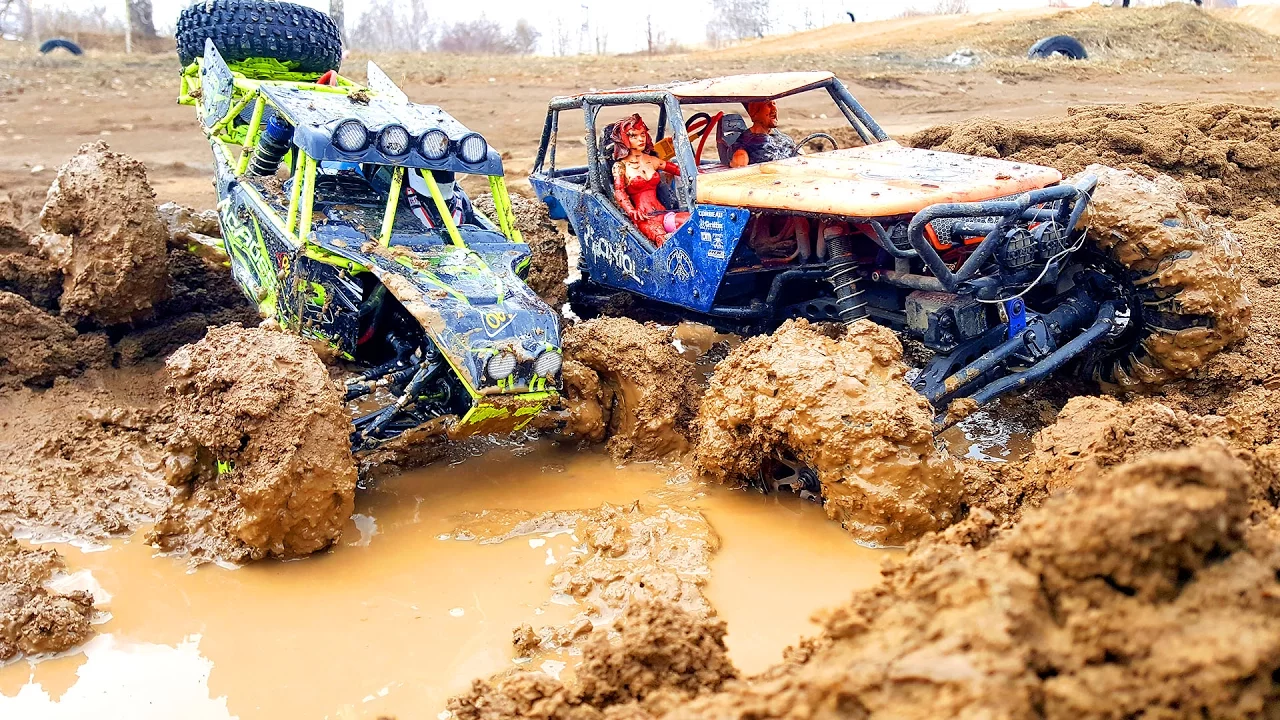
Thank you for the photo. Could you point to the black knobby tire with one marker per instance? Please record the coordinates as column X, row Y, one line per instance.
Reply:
column 49, row 46
column 1058, row 45
column 242, row 29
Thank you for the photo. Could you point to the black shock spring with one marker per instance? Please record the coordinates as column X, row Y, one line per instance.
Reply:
column 272, row 146
column 843, row 274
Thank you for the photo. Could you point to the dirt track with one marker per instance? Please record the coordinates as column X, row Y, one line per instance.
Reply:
column 1126, row 563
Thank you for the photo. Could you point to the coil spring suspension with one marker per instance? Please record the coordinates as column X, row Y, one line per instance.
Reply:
column 842, row 273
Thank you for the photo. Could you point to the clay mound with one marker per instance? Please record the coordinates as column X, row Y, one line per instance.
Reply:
column 201, row 292
column 269, row 466
column 115, row 269
column 1185, row 270
column 22, row 270
column 39, row 347
column 1168, row 32
column 34, row 619
column 549, row 267
column 842, row 407
column 625, row 381
column 1227, row 156
column 661, row 657
column 1141, row 593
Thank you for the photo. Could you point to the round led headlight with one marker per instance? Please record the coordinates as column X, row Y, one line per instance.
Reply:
column 547, row 364
column 351, row 136
column 394, row 140
column 473, row 149
column 501, row 365
column 435, row 145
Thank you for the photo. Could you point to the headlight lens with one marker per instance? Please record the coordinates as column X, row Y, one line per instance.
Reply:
column 547, row 364
column 351, row 136
column 394, row 140
column 435, row 145
column 473, row 149
column 501, row 365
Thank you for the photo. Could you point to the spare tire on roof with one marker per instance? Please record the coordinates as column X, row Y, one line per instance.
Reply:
column 1058, row 45
column 304, row 38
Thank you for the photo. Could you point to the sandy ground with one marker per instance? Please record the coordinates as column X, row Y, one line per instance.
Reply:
column 50, row 105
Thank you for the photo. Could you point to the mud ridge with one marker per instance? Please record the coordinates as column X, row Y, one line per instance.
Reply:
column 841, row 406
column 112, row 243
column 660, row 657
column 263, row 461
column 33, row 619
column 626, row 382
column 1225, row 154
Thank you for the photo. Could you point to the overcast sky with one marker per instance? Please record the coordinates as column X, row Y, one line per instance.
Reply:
column 683, row 21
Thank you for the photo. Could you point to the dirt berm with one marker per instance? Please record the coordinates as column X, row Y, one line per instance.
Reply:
column 662, row 656
column 263, row 447
column 34, row 619
column 626, row 382
column 1226, row 154
column 111, row 243
column 842, row 407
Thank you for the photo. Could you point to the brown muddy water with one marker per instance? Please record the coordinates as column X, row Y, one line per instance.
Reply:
column 406, row 612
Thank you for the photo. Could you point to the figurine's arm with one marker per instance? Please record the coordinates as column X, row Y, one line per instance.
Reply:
column 670, row 168
column 739, row 159
column 620, row 195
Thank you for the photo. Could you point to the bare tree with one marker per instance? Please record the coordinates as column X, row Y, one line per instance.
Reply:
column 525, row 37
column 480, row 36
column 737, row 20
column 338, row 13
column 560, row 42
column 141, row 19
column 951, row 7
column 383, row 26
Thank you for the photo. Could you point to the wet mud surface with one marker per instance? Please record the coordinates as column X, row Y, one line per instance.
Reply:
column 261, row 454
column 110, row 242
column 1123, row 562
column 416, row 607
column 626, row 382
column 841, row 406
column 33, row 618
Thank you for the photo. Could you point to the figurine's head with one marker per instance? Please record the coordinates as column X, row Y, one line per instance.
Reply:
column 763, row 113
column 630, row 133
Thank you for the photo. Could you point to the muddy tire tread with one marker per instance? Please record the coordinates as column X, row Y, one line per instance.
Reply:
column 244, row 29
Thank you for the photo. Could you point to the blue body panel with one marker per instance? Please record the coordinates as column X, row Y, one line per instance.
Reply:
column 686, row 271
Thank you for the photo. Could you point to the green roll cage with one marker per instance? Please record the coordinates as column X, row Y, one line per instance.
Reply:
column 235, row 146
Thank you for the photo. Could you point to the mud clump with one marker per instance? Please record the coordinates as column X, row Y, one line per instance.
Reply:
column 662, row 656
column 627, row 382
column 628, row 555
column 115, row 266
column 22, row 270
column 549, row 266
column 1143, row 591
column 1227, row 155
column 39, row 347
column 842, row 407
column 266, row 466
column 34, row 619
column 1193, row 301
